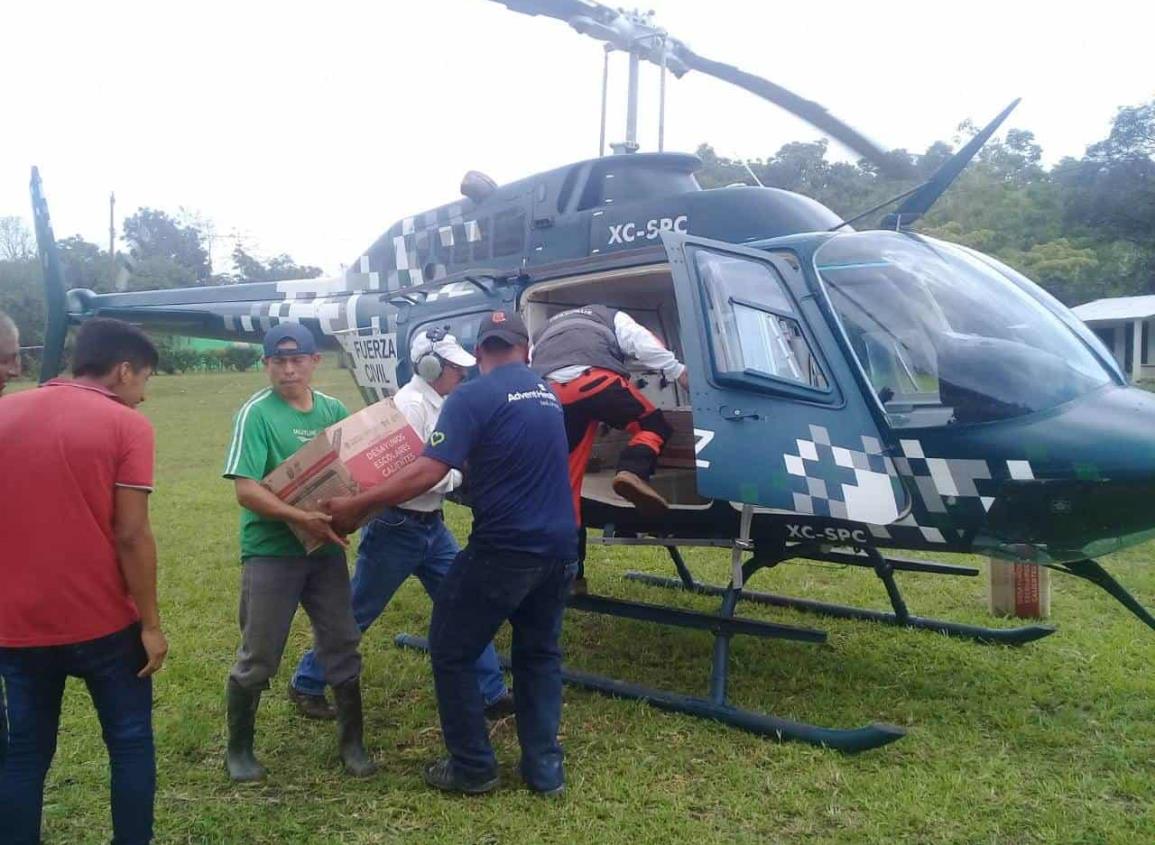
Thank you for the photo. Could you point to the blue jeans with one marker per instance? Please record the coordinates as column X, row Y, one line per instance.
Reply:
column 34, row 680
column 393, row 547
column 3, row 724
column 482, row 590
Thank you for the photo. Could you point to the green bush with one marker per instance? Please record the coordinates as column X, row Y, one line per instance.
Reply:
column 240, row 358
column 175, row 358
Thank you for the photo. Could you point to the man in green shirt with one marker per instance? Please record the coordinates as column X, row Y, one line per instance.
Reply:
column 277, row 573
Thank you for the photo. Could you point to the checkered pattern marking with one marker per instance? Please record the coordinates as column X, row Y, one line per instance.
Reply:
column 865, row 487
column 863, row 492
column 417, row 244
column 318, row 308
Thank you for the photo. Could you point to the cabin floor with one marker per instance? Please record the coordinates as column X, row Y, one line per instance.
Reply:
column 677, row 486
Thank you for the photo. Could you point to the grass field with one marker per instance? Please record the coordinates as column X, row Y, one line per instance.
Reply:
column 1051, row 742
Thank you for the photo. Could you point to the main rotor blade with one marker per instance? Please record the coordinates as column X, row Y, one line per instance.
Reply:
column 920, row 201
column 807, row 110
column 634, row 33
column 563, row 10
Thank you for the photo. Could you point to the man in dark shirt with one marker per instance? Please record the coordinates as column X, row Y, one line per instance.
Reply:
column 508, row 428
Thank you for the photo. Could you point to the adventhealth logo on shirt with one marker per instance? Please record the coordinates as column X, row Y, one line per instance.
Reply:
column 543, row 394
column 436, row 438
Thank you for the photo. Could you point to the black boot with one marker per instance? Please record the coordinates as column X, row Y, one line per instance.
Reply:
column 242, row 718
column 444, row 775
column 351, row 729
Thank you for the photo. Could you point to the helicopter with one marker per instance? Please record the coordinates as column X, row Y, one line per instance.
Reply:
column 853, row 392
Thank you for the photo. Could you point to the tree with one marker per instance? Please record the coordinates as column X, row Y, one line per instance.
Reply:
column 1084, row 229
column 154, row 234
column 84, row 265
column 279, row 268
column 159, row 273
column 22, row 298
column 16, row 242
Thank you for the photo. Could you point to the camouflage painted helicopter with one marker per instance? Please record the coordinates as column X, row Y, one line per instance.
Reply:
column 851, row 391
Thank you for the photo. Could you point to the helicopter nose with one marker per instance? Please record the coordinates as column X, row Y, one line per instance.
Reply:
column 1094, row 487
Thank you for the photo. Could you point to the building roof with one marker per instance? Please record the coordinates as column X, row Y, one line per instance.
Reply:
column 1116, row 309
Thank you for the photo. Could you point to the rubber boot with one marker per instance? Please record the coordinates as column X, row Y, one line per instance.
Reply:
column 242, row 717
column 351, row 729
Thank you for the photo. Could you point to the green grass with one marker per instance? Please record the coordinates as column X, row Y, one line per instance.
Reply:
column 1052, row 742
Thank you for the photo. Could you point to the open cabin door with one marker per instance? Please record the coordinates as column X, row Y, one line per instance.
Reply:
column 779, row 419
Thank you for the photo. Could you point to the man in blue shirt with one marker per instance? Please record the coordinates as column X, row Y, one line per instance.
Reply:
column 508, row 427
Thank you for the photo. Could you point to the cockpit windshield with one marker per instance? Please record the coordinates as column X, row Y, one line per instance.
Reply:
column 944, row 337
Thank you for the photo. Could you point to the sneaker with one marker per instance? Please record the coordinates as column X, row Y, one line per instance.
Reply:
column 633, row 488
column 312, row 706
column 557, row 792
column 500, row 707
column 445, row 776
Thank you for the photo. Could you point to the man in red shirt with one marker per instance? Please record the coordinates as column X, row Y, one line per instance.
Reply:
column 79, row 574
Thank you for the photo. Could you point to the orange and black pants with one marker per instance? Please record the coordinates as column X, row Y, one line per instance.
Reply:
column 603, row 396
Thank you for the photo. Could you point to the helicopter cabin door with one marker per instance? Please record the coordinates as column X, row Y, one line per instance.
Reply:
column 779, row 420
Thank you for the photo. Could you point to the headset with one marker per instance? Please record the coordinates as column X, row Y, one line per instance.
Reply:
column 430, row 366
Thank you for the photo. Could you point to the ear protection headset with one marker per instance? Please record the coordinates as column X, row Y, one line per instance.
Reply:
column 429, row 366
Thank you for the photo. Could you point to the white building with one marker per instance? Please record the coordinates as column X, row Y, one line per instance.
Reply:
column 1124, row 324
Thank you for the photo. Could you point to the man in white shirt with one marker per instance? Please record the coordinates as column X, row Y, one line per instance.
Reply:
column 582, row 353
column 411, row 539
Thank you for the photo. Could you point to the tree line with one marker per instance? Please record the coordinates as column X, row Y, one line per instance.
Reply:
column 1083, row 228
column 163, row 251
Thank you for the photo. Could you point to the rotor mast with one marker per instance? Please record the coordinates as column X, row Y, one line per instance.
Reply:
column 634, row 33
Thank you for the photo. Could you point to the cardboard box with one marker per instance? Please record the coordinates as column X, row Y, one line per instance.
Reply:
column 346, row 458
column 1019, row 589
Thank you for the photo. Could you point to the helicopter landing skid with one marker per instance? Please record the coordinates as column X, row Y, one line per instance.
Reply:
column 883, row 567
column 724, row 625
column 1090, row 570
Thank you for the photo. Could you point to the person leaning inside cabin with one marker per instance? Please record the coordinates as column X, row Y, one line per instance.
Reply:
column 277, row 574
column 79, row 574
column 582, row 352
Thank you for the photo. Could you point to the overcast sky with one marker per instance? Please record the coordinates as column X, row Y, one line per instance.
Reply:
column 309, row 128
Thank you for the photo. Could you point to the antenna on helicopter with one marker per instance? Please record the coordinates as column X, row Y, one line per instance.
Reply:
column 753, row 175
column 635, row 33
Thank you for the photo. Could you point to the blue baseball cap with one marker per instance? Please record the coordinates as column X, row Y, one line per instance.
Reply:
column 274, row 337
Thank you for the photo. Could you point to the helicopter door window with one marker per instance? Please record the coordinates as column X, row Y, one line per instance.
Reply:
column 754, row 328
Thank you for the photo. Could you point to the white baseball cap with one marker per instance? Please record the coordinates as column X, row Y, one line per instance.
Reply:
column 445, row 347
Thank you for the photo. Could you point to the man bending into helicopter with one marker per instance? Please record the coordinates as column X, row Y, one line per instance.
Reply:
column 582, row 352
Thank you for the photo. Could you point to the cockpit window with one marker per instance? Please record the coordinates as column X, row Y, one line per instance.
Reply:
column 754, row 328
column 944, row 337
